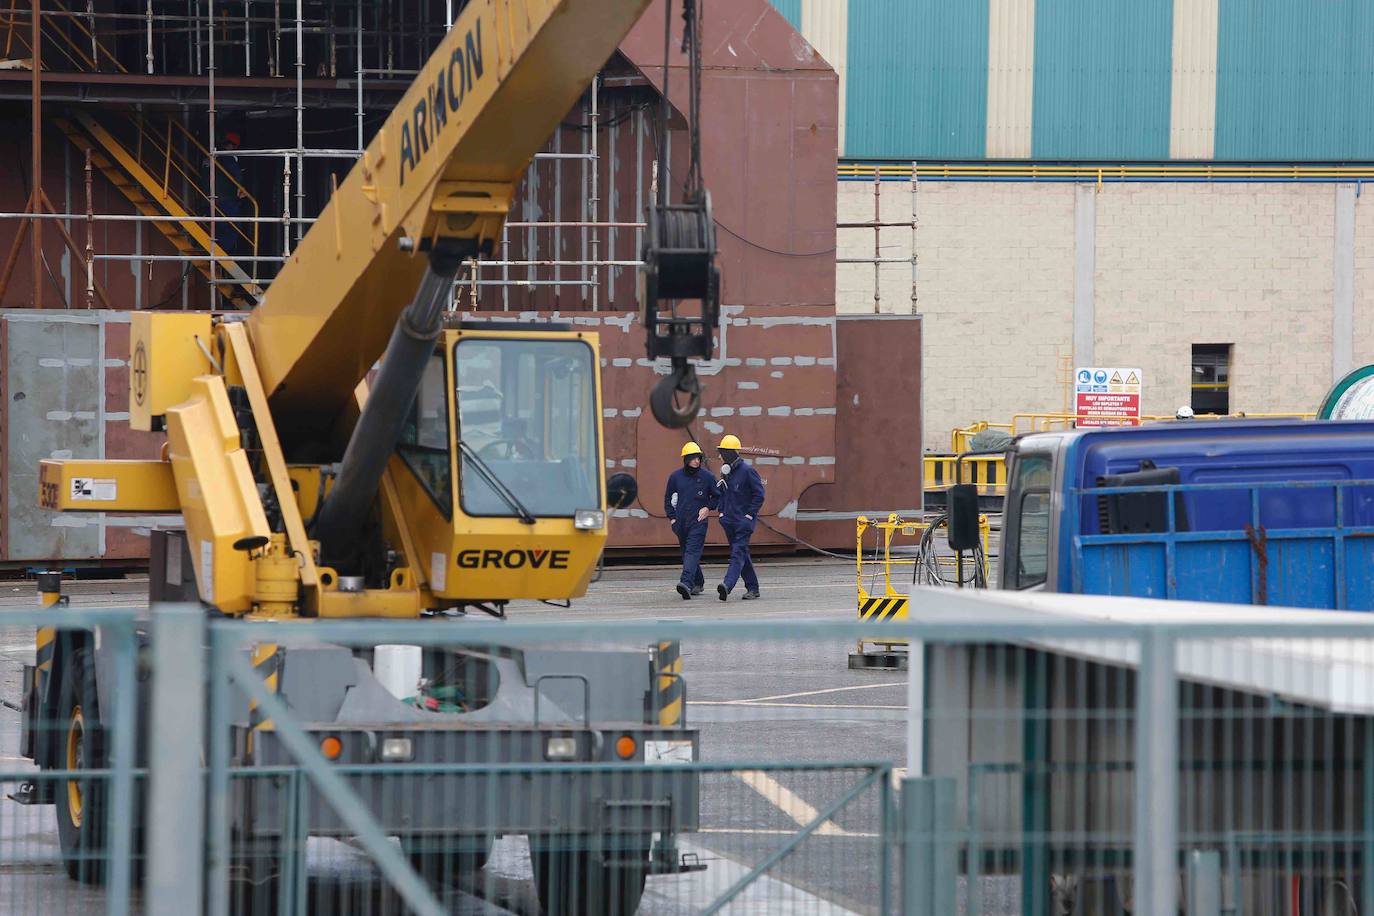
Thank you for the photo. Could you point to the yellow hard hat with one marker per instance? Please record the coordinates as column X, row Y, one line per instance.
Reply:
column 691, row 448
column 730, row 442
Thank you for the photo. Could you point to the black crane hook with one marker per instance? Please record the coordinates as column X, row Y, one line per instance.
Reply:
column 679, row 255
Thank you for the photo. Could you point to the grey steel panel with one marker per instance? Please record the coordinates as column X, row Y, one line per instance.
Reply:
column 52, row 385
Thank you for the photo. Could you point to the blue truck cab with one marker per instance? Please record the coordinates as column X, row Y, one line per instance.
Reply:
column 1274, row 512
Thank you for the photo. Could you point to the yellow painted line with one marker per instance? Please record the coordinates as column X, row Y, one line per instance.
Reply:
column 788, row 802
column 812, row 693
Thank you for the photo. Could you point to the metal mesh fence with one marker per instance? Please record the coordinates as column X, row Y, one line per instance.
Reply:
column 1065, row 765
column 747, row 853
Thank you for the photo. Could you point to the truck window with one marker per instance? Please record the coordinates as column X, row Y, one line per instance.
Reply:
column 424, row 439
column 1029, row 524
column 1033, row 548
column 527, row 407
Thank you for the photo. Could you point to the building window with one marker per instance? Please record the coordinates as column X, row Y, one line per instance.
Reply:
column 1211, row 378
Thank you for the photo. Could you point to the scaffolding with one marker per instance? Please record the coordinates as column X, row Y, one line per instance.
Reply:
column 876, row 226
column 216, row 201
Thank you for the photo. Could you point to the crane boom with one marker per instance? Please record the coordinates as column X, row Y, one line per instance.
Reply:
column 443, row 166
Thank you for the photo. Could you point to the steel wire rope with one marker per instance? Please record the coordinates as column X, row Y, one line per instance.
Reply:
column 658, row 139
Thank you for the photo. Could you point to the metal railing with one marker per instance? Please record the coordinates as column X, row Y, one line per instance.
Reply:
column 180, row 163
column 907, row 547
column 1046, row 754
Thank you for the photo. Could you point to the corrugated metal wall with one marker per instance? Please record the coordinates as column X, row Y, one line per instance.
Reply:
column 1102, row 79
column 1295, row 80
column 1116, row 80
column 927, row 92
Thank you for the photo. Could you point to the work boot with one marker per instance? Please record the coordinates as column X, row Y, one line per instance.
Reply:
column 751, row 594
column 722, row 592
column 684, row 591
column 697, row 590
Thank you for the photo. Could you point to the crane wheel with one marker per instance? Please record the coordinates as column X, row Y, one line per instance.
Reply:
column 81, row 802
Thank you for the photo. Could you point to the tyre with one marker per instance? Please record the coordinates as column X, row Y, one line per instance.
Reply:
column 81, row 804
column 580, row 875
column 442, row 860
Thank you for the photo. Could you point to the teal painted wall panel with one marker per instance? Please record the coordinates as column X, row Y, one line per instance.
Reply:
column 791, row 11
column 1102, row 79
column 917, row 79
column 1295, row 80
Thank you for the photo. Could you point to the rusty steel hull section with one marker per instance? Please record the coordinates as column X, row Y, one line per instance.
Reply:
column 772, row 383
column 829, row 443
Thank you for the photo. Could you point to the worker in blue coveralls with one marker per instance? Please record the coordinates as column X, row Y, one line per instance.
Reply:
column 690, row 496
column 741, row 498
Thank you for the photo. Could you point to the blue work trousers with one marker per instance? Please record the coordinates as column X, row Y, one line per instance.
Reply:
column 740, row 563
column 691, row 541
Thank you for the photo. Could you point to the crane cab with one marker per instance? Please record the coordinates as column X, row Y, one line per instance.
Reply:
column 497, row 479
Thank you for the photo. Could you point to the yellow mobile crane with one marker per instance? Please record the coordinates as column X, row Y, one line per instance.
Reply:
column 468, row 473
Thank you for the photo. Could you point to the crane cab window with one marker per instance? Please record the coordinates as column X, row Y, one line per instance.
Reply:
column 424, row 438
column 528, row 409
column 1028, row 522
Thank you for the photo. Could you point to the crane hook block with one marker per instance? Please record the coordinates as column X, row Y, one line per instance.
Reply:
column 676, row 398
column 679, row 256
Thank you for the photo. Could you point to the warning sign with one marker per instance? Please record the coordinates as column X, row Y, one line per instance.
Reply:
column 93, row 489
column 1107, row 396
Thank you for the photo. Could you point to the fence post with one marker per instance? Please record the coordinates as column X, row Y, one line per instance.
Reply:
column 176, row 796
column 1204, row 883
column 1367, row 848
column 1156, row 776
column 915, row 707
column 929, row 854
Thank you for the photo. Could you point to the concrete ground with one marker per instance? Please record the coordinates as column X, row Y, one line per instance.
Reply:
column 756, row 704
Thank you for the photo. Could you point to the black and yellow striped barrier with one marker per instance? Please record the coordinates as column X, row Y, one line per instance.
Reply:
column 878, row 598
column 987, row 472
column 668, row 690
column 267, row 665
column 883, row 608
column 45, row 641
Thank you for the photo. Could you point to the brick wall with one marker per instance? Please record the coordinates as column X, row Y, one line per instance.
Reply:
column 1242, row 264
column 1364, row 281
column 995, row 289
column 1175, row 264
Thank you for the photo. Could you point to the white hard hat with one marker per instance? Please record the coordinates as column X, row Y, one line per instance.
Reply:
column 1184, row 413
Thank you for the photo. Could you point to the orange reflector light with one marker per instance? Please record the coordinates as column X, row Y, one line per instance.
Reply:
column 331, row 747
column 625, row 746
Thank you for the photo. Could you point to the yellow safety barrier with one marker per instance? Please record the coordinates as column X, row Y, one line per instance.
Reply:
column 961, row 440
column 1023, row 423
column 877, row 599
column 987, row 472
